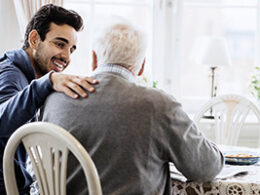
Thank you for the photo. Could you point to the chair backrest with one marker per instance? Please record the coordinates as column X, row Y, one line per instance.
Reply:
column 230, row 113
column 48, row 146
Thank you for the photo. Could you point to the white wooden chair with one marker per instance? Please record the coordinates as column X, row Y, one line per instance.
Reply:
column 48, row 146
column 230, row 113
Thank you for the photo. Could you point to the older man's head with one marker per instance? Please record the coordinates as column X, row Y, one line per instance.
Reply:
column 120, row 43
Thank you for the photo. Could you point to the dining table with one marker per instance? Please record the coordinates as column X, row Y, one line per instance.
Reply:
column 234, row 179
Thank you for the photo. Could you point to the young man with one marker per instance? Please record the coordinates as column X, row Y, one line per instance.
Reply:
column 29, row 75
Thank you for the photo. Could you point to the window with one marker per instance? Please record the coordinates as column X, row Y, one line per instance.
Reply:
column 172, row 27
column 236, row 21
column 94, row 13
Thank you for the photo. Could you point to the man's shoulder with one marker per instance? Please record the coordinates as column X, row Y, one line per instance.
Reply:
column 9, row 71
column 9, row 56
column 119, row 91
column 14, row 59
column 120, row 85
column 59, row 99
column 155, row 94
column 58, row 102
column 152, row 98
column 58, row 95
column 7, row 63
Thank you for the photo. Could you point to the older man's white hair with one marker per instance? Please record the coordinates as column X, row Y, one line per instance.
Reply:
column 120, row 43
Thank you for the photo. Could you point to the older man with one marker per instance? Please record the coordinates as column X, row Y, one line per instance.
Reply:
column 131, row 132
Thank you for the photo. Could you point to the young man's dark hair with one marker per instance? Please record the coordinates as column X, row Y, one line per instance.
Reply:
column 51, row 13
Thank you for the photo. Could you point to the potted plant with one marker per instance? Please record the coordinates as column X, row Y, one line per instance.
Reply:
column 143, row 80
column 255, row 83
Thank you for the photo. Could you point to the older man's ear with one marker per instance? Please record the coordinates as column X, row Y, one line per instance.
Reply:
column 94, row 60
column 142, row 69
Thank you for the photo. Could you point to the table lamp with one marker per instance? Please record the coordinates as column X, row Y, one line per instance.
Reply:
column 213, row 52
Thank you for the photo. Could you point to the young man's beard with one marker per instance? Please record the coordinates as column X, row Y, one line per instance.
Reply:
column 40, row 62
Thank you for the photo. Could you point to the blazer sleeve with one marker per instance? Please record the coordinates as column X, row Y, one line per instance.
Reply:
column 18, row 102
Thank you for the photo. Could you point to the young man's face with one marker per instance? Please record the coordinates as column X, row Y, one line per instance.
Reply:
column 54, row 52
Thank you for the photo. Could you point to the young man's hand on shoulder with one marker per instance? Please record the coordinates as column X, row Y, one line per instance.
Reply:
column 72, row 85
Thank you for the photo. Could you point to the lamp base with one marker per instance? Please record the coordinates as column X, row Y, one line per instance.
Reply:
column 213, row 92
column 208, row 117
column 209, row 114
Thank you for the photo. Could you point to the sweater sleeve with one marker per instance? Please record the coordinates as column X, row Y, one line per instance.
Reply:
column 19, row 104
column 196, row 157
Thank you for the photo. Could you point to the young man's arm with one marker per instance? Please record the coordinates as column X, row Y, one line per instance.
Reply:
column 19, row 104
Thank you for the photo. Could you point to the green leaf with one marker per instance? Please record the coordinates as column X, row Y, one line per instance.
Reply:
column 155, row 84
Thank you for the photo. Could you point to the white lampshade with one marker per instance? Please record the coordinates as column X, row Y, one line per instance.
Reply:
column 211, row 51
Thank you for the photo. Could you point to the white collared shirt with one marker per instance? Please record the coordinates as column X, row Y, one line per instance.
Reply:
column 124, row 72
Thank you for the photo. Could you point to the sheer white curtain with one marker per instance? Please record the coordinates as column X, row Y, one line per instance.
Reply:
column 25, row 9
column 9, row 31
column 166, row 44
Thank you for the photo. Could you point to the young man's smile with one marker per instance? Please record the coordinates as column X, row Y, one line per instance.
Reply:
column 59, row 64
column 54, row 52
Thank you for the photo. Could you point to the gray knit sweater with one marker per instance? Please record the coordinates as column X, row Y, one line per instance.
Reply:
column 132, row 133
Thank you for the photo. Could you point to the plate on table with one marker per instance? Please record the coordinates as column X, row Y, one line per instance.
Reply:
column 241, row 158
